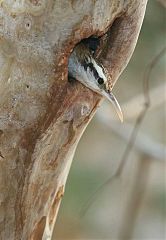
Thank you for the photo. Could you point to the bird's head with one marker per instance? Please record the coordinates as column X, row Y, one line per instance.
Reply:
column 86, row 69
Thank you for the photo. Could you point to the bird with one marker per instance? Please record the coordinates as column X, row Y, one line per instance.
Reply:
column 83, row 67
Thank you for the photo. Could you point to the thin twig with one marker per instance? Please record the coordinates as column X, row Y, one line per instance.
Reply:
column 136, row 198
column 143, row 143
column 162, row 2
column 134, row 133
column 132, row 107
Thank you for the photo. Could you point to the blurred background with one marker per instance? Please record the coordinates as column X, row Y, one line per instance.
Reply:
column 133, row 205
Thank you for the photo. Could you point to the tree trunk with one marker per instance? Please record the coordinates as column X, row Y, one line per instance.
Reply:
column 42, row 115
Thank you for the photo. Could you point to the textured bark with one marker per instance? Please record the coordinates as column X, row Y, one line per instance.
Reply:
column 42, row 115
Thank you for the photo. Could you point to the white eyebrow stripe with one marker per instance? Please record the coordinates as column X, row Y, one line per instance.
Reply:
column 100, row 71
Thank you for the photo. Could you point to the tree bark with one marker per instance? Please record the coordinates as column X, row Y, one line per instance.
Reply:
column 42, row 115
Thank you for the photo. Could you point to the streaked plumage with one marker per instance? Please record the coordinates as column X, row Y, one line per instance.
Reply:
column 83, row 67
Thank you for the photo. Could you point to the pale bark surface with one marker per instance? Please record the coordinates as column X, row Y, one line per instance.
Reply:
column 42, row 115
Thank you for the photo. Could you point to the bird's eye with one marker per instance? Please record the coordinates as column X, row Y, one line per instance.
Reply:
column 100, row 81
column 90, row 65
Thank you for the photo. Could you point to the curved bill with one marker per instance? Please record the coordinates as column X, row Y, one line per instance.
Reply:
column 113, row 100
